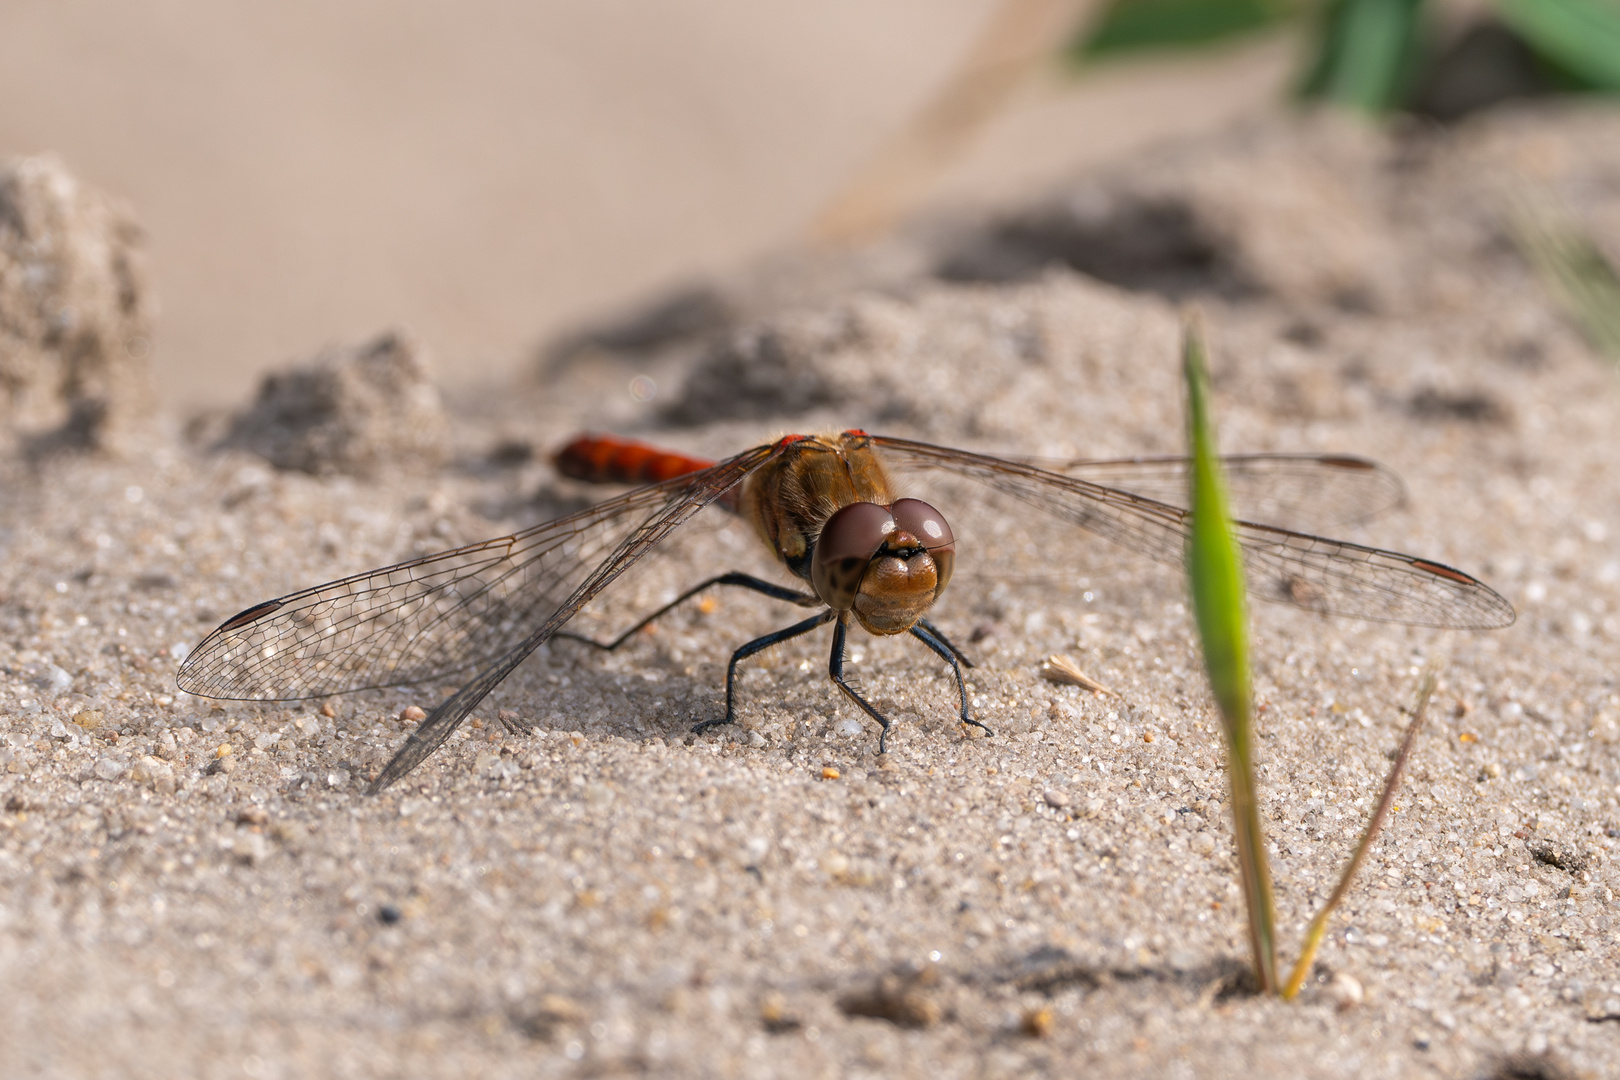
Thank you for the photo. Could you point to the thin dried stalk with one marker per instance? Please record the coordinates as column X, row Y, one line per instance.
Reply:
column 1318, row 927
column 1021, row 36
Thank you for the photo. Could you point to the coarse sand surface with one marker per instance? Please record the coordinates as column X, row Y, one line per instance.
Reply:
column 203, row 888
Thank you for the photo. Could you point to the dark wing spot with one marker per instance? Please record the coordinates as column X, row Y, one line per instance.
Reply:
column 1352, row 464
column 1443, row 571
column 252, row 614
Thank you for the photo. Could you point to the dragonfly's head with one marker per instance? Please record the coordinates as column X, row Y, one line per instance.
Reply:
column 887, row 564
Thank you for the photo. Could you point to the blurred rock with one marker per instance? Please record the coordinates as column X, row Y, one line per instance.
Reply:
column 76, row 312
column 1189, row 220
column 1352, row 223
column 766, row 371
column 690, row 311
column 1486, row 63
column 352, row 410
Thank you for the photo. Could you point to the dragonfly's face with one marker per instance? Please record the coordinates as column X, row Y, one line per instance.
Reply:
column 887, row 564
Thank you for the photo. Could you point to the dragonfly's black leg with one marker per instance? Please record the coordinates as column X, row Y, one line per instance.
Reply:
column 939, row 636
column 747, row 581
column 759, row 644
column 932, row 638
column 835, row 668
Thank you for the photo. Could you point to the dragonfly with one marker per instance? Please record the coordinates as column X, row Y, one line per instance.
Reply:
column 830, row 510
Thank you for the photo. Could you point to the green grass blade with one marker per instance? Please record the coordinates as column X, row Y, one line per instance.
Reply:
column 1135, row 25
column 1215, row 573
column 1318, row 927
column 1366, row 53
column 1573, row 268
column 1582, row 36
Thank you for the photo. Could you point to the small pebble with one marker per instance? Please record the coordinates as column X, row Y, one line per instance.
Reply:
column 554, row 1009
column 774, row 1015
column 897, row 999
column 1057, row 800
column 53, row 680
column 412, row 713
column 250, row 847
column 388, row 914
column 155, row 773
column 328, row 711
column 1037, row 1023
column 1344, row 990
column 830, row 773
column 89, row 719
column 109, row 768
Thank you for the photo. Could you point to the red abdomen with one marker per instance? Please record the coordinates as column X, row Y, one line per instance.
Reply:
column 607, row 459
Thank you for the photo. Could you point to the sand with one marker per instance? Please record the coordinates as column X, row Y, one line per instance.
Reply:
column 191, row 887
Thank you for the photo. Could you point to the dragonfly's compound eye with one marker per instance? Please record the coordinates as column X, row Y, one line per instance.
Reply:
column 930, row 528
column 846, row 545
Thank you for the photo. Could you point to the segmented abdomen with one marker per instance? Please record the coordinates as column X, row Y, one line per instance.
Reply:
column 607, row 459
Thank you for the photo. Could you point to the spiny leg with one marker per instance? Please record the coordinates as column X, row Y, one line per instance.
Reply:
column 835, row 668
column 939, row 636
column 747, row 581
column 934, row 640
column 760, row 644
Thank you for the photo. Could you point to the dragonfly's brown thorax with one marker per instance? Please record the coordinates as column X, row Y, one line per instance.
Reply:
column 827, row 509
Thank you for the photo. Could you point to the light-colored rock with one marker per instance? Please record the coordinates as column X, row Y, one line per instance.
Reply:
column 76, row 312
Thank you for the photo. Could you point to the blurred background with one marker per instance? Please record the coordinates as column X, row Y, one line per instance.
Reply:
column 496, row 172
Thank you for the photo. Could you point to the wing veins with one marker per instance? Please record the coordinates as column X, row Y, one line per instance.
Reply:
column 699, row 490
column 315, row 641
column 1320, row 574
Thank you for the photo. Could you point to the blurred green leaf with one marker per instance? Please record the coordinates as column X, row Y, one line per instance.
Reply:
column 1132, row 25
column 1582, row 36
column 1215, row 573
column 1367, row 53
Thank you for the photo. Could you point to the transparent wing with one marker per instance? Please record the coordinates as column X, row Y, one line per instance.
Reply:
column 1296, row 491
column 446, row 613
column 1328, row 576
